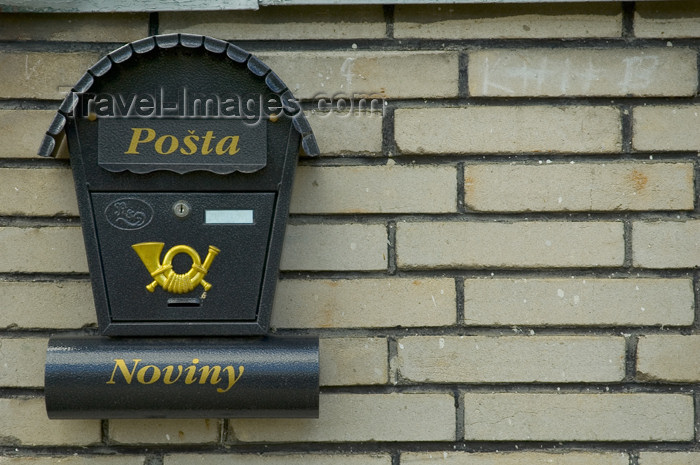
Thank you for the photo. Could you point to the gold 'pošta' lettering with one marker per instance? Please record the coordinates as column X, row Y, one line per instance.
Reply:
column 191, row 144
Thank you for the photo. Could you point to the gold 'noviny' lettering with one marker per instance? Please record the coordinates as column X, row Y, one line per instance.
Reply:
column 224, row 378
column 189, row 144
column 128, row 375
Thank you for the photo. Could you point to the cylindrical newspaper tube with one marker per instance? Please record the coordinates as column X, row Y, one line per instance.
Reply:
column 101, row 377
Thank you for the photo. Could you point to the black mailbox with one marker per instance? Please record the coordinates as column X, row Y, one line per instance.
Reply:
column 183, row 150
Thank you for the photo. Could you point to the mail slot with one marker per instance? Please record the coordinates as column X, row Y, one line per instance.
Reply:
column 183, row 150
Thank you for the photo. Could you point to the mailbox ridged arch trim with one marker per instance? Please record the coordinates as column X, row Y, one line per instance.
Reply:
column 55, row 133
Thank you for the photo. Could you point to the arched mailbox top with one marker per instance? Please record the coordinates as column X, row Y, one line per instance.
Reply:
column 108, row 65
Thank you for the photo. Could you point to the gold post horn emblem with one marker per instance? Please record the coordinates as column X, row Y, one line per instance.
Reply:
column 163, row 273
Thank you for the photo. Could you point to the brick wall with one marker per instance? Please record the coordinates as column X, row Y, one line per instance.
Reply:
column 501, row 267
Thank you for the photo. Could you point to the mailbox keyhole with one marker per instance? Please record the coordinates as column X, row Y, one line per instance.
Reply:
column 181, row 209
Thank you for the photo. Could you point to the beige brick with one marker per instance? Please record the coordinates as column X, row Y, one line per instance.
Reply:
column 376, row 189
column 308, row 458
column 112, row 27
column 505, row 129
column 334, row 247
column 281, row 23
column 353, row 361
column 669, row 19
column 360, row 417
column 22, row 361
column 578, row 302
column 50, row 250
column 59, row 304
column 574, row 72
column 580, row 187
column 666, row 127
column 578, row 417
column 370, row 303
column 159, row 431
column 514, row 458
column 37, row 192
column 342, row 133
column 22, row 132
column 511, row 359
column 505, row 21
column 523, row 244
column 384, row 74
column 24, row 422
column 42, row 75
column 668, row 358
column 660, row 244
column 669, row 458
column 121, row 459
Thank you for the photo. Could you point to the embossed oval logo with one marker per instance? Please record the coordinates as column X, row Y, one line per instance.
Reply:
column 129, row 214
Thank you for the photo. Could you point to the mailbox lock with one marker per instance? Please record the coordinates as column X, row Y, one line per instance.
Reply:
column 181, row 209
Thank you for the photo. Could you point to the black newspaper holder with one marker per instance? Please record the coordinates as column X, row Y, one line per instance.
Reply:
column 183, row 150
